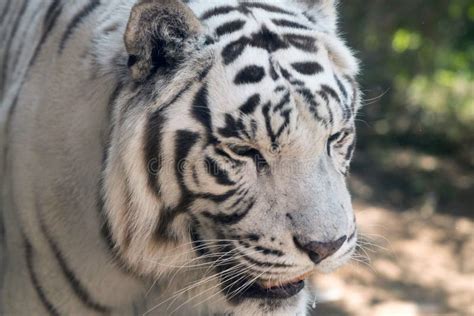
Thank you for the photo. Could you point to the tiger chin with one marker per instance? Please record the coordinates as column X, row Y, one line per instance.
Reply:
column 173, row 157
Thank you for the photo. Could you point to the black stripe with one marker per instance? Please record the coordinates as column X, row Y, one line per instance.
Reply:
column 266, row 7
column 284, row 101
column 23, row 35
column 232, row 127
column 105, row 229
column 267, row 251
column 153, row 157
column 354, row 233
column 8, row 45
column 221, row 175
column 198, row 245
column 154, row 131
column 76, row 20
column 53, row 12
column 290, row 78
column 262, row 264
column 325, row 97
column 76, row 285
column 52, row 15
column 184, row 142
column 288, row 23
column 234, row 49
column 331, row 92
column 302, row 42
column 218, row 198
column 250, row 74
column 217, row 11
column 221, row 152
column 5, row 11
column 307, row 68
column 273, row 74
column 286, row 122
column 201, row 112
column 341, row 86
column 268, row 124
column 313, row 105
column 350, row 150
column 106, row 134
column 230, row 219
column 249, row 106
column 268, row 40
column 52, row 310
column 230, row 27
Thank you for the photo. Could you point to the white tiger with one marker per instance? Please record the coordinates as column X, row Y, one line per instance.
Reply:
column 163, row 157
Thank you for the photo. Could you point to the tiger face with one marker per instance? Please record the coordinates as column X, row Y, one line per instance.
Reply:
column 249, row 131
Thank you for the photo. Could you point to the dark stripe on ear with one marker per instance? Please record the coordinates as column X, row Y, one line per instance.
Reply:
column 51, row 309
column 201, row 112
column 302, row 42
column 221, row 175
column 230, row 219
column 76, row 285
column 250, row 74
column 288, row 23
column 249, row 106
column 217, row 11
column 76, row 20
column 307, row 68
column 230, row 27
column 153, row 138
column 234, row 49
column 266, row 7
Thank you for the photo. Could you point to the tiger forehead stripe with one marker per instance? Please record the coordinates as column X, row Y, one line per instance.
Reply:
column 244, row 8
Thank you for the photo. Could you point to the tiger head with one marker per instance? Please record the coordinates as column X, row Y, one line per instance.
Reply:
column 231, row 145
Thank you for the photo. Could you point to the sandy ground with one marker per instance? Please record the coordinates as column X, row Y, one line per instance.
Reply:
column 412, row 263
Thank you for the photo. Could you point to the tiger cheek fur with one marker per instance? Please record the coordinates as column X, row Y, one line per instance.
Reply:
column 200, row 150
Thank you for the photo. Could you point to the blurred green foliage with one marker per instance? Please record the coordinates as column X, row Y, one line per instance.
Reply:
column 417, row 73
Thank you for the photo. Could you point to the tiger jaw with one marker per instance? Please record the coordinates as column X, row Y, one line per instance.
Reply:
column 275, row 283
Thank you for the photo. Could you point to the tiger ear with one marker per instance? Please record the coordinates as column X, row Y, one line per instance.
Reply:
column 156, row 35
column 323, row 13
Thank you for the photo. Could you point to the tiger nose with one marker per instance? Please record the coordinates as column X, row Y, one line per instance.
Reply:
column 318, row 251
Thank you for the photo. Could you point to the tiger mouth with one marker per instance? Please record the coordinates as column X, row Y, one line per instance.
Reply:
column 273, row 289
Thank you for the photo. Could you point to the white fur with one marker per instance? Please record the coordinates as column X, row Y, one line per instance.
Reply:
column 55, row 147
